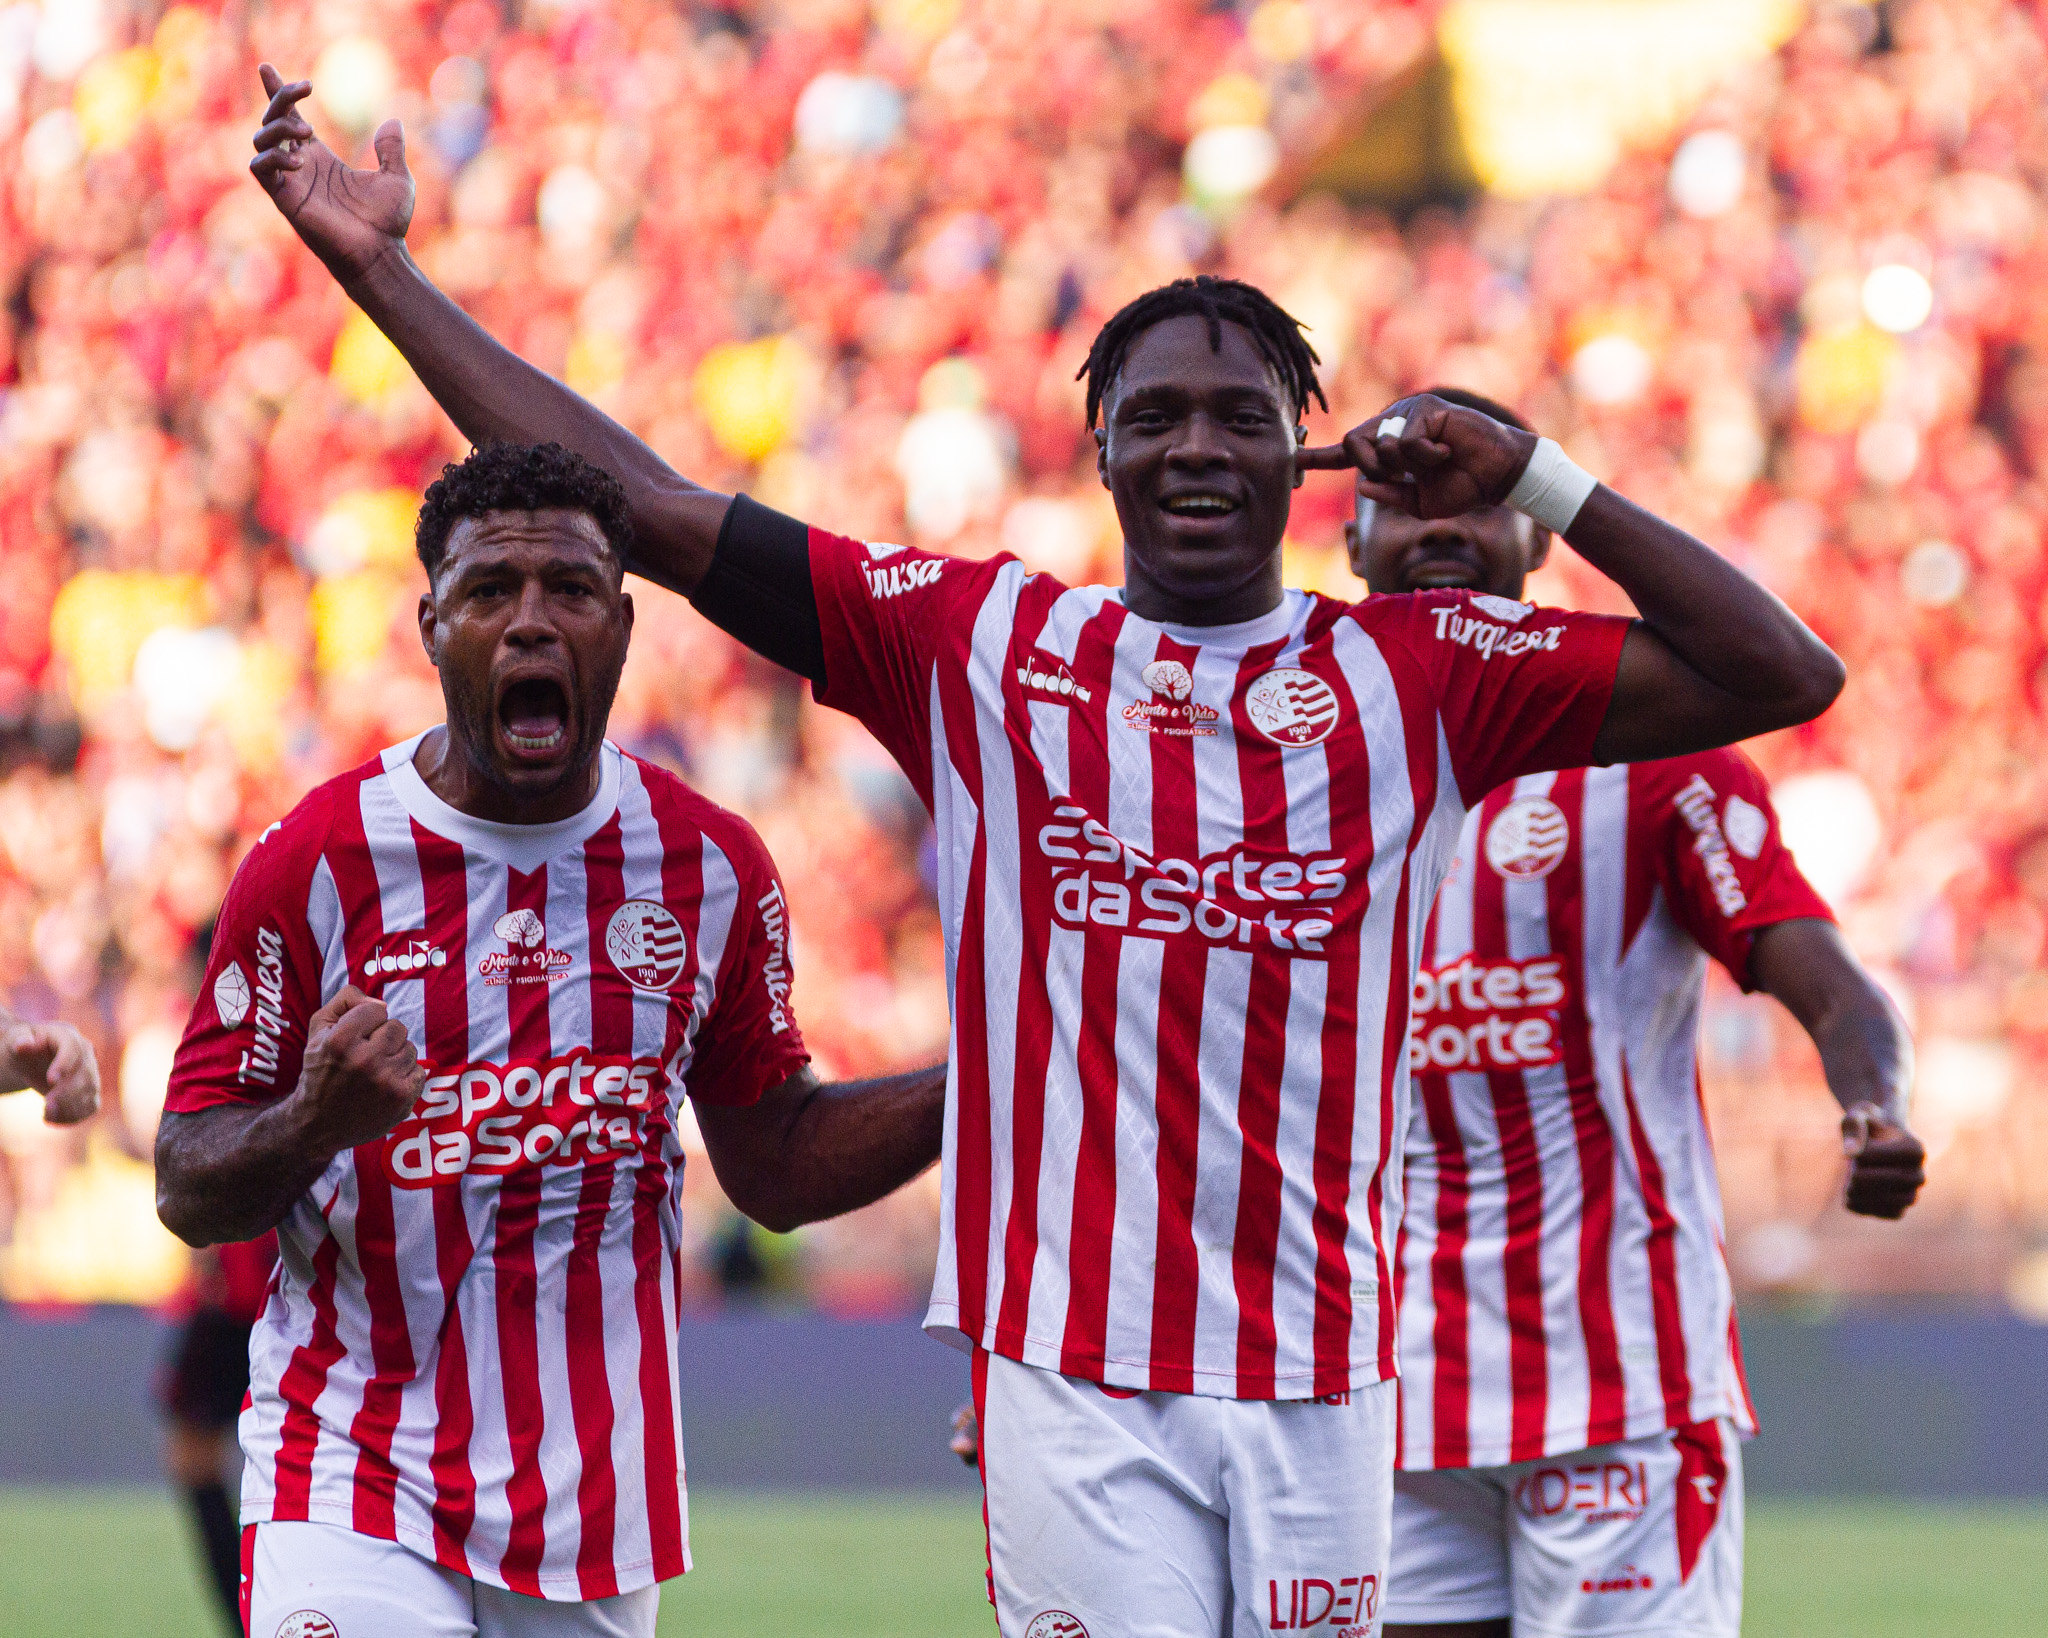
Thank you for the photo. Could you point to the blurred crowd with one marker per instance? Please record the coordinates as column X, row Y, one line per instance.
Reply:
column 847, row 256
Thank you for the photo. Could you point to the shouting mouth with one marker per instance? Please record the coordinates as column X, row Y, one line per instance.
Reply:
column 534, row 714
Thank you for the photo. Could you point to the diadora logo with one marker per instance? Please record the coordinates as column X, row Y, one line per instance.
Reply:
column 1695, row 804
column 1291, row 707
column 1595, row 1491
column 1038, row 675
column 402, row 955
column 1527, row 839
column 1486, row 1015
column 894, row 579
column 1629, row 1579
column 1177, row 713
column 527, row 959
column 1343, row 1606
column 646, row 943
column 1490, row 639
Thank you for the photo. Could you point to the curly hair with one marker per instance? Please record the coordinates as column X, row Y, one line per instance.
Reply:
column 520, row 478
column 1276, row 332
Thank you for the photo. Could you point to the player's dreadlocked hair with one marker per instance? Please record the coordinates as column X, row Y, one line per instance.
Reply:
column 1277, row 332
column 520, row 478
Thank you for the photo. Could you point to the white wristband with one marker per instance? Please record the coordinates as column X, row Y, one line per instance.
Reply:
column 1552, row 487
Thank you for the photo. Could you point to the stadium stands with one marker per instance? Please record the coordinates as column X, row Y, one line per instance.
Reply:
column 847, row 258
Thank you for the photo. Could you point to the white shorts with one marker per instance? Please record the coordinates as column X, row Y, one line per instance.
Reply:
column 321, row 1581
column 1114, row 1514
column 1640, row 1536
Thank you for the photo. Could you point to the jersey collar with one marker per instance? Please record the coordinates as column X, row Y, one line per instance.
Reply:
column 524, row 848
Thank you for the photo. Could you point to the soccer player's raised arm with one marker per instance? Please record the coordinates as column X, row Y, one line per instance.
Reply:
column 1715, row 657
column 1864, row 1050
column 232, row 1172
column 355, row 222
column 806, row 1151
column 53, row 1061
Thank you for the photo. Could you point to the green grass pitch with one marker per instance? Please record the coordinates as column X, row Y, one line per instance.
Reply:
column 92, row 1561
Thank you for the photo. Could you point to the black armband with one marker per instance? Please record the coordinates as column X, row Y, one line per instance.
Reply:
column 758, row 588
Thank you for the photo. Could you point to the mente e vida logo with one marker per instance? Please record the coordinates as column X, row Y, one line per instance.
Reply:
column 1171, row 710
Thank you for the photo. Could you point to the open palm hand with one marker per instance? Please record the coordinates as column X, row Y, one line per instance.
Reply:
column 348, row 218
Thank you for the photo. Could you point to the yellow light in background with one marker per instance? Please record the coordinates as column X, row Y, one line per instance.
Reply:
column 98, row 1240
column 1548, row 93
column 1840, row 376
column 597, row 362
column 112, row 95
column 102, row 617
column 922, row 21
column 1282, row 31
column 1229, row 99
column 364, row 366
column 351, row 616
column 750, row 393
column 364, row 528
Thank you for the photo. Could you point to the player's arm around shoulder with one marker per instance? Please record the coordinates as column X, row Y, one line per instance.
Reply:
column 271, row 1081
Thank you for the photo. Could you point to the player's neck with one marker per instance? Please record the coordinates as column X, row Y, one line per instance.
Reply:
column 467, row 787
column 1148, row 600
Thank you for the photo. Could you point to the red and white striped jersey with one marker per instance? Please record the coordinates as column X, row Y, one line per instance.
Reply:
column 1561, row 1275
column 470, row 1347
column 1182, row 876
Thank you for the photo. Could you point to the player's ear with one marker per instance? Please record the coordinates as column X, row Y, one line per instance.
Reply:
column 429, row 624
column 1539, row 545
column 626, row 615
column 1300, row 438
column 1102, row 455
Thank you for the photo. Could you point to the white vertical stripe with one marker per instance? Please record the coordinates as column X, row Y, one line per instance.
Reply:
column 1218, row 1166
column 1294, row 1147
column 1002, row 929
column 1134, row 1246
column 955, row 821
column 1059, row 1146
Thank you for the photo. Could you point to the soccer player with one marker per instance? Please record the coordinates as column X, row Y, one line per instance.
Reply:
column 1571, row 1386
column 53, row 1061
column 454, row 1002
column 1188, row 832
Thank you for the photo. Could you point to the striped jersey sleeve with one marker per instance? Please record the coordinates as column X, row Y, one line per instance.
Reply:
column 751, row 1041
column 1713, row 841
column 1519, row 689
column 246, row 1037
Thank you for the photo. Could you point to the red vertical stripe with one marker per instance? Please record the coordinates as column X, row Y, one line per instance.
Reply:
column 1091, row 1238
column 1522, row 1182
column 587, row 1338
column 1032, row 1019
column 1350, row 795
column 391, row 1360
column 1253, row 1256
column 1177, row 1098
column 517, row 1286
column 1450, row 1300
column 1662, row 1252
column 444, row 875
column 301, row 1385
column 1565, row 908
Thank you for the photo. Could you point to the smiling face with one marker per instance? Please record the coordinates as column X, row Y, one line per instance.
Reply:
column 1488, row 550
column 1197, row 448
column 528, row 627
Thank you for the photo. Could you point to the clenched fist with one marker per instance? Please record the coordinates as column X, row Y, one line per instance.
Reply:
column 58, row 1062
column 360, row 1076
column 1886, row 1163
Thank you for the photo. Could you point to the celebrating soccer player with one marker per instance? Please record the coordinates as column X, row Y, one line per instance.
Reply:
column 454, row 1000
column 1571, row 1387
column 1188, row 833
